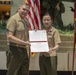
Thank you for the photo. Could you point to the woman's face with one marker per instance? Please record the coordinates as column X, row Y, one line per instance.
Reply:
column 47, row 21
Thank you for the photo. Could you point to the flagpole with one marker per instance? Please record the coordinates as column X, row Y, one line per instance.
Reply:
column 74, row 49
column 73, row 60
column 74, row 38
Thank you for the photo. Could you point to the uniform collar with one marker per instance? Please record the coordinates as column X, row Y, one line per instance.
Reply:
column 50, row 29
column 18, row 17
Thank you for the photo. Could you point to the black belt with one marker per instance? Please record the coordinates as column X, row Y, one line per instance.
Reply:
column 17, row 45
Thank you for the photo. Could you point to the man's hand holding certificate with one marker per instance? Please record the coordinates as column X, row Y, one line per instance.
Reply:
column 38, row 40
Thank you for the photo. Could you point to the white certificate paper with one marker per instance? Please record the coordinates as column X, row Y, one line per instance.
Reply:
column 38, row 40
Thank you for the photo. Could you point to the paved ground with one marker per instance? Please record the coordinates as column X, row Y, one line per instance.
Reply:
column 3, row 72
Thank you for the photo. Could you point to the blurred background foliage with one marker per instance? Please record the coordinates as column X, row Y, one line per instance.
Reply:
column 50, row 6
column 3, row 26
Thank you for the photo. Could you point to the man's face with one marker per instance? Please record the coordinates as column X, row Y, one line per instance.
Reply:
column 23, row 10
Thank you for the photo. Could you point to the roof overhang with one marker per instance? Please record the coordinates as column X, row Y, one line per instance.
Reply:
column 67, row 0
column 5, row 2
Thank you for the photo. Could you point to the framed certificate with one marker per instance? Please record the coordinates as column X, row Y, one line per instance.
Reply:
column 38, row 40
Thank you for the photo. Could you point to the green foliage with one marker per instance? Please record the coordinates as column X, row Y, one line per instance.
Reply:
column 46, row 4
column 66, row 32
column 3, row 26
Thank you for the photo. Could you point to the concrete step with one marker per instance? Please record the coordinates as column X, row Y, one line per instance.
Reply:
column 4, row 47
column 67, row 43
column 63, row 48
column 3, row 37
column 65, row 38
column 3, row 42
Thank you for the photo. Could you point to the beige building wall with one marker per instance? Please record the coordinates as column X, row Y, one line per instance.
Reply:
column 68, row 16
column 15, row 5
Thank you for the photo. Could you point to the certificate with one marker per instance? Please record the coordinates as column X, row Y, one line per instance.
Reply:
column 38, row 40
